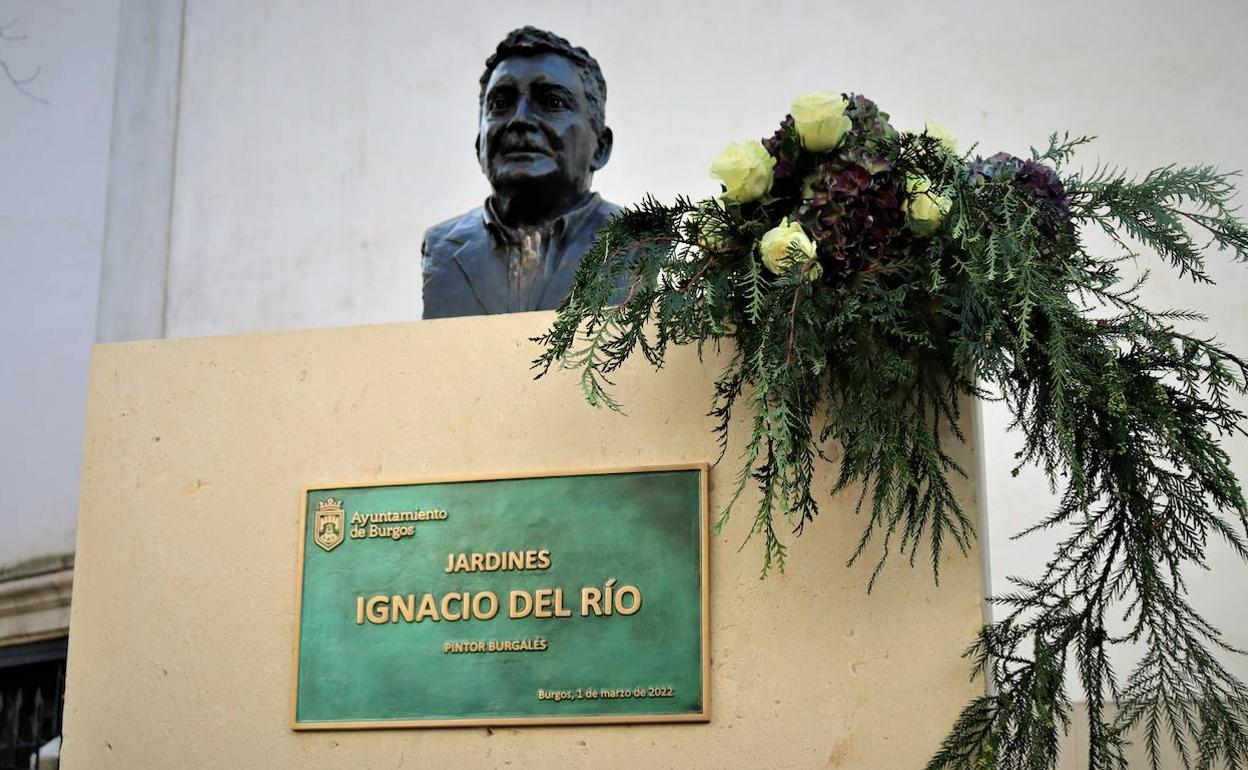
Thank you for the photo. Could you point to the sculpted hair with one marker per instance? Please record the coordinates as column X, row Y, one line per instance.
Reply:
column 531, row 41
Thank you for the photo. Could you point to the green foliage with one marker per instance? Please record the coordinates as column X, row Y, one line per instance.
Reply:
column 878, row 352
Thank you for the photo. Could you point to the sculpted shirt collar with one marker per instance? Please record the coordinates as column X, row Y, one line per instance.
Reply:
column 552, row 236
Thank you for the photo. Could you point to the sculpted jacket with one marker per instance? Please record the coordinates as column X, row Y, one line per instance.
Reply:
column 475, row 265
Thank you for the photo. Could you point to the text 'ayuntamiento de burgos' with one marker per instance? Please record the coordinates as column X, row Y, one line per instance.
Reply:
column 596, row 600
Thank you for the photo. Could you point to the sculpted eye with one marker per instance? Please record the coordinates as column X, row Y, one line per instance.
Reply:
column 557, row 102
column 497, row 101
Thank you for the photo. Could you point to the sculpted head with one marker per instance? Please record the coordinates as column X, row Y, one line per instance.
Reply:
column 542, row 131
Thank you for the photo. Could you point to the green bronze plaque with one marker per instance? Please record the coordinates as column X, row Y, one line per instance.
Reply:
column 559, row 598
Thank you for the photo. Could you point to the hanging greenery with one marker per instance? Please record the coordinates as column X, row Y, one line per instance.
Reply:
column 870, row 282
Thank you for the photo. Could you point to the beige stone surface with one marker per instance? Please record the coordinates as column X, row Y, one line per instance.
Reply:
column 184, row 596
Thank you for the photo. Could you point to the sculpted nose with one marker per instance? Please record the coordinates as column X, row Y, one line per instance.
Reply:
column 523, row 114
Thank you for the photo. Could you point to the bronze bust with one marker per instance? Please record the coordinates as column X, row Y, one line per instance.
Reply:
column 542, row 134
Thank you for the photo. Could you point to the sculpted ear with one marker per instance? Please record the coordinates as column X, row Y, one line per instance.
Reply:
column 602, row 154
column 477, row 147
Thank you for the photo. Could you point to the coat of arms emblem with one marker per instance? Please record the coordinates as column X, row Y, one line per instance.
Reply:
column 328, row 532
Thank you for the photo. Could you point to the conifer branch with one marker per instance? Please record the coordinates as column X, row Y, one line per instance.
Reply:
column 883, row 330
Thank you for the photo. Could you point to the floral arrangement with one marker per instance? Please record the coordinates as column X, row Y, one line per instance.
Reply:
column 870, row 281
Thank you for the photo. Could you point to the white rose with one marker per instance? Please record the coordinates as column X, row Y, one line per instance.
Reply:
column 820, row 119
column 942, row 134
column 925, row 210
column 745, row 168
column 776, row 242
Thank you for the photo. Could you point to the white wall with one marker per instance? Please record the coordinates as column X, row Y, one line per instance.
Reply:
column 316, row 140
column 53, row 163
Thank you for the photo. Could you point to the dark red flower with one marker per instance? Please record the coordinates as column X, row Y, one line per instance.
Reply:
column 852, row 206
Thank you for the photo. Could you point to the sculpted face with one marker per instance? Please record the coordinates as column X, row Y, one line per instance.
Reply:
column 535, row 129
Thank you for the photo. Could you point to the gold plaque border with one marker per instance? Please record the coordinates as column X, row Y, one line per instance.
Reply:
column 704, row 715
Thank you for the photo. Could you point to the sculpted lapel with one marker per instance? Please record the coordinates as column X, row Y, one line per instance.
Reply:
column 560, row 282
column 559, row 285
column 485, row 275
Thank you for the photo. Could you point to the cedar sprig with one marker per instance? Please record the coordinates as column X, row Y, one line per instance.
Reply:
column 867, row 362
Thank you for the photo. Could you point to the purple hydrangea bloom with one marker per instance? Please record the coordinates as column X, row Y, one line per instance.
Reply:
column 998, row 168
column 1047, row 185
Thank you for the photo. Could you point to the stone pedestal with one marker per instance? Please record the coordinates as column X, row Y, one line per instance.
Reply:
column 185, row 585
